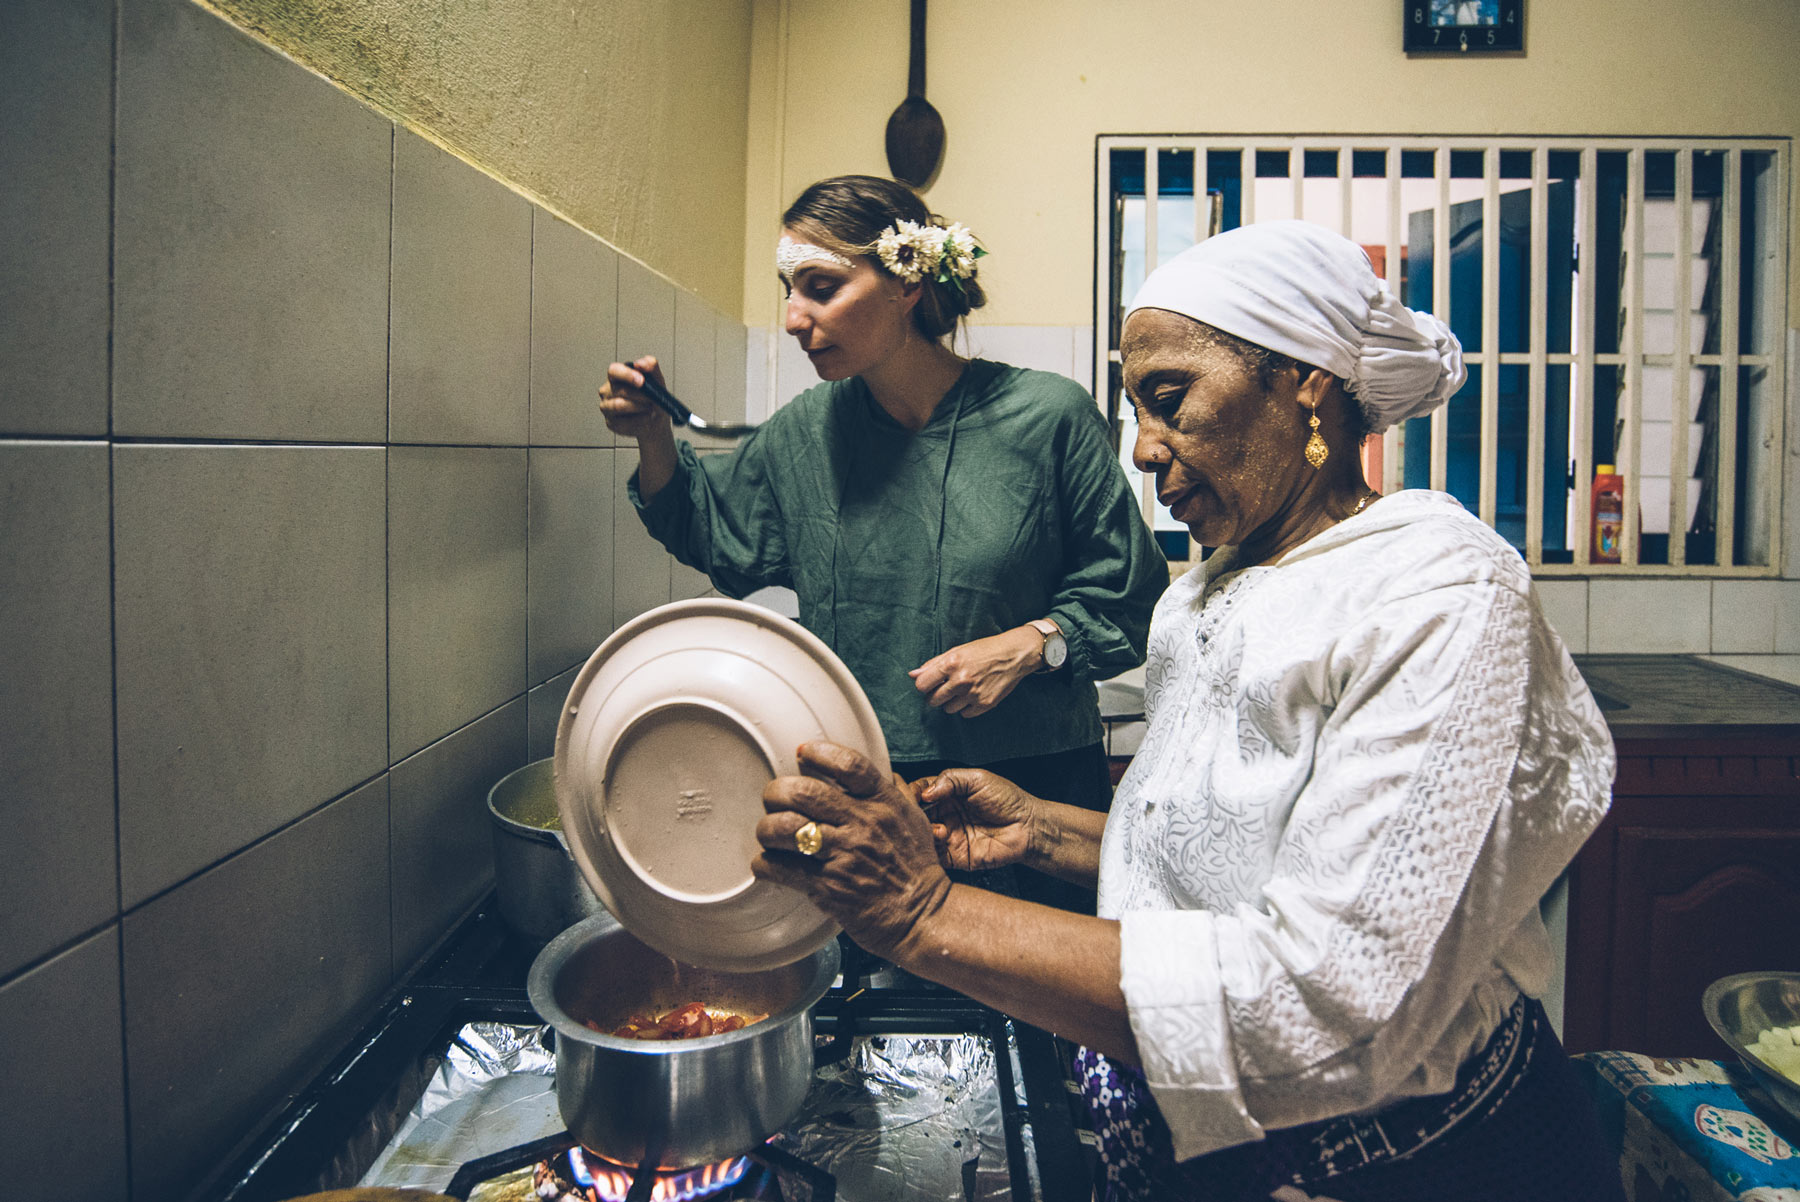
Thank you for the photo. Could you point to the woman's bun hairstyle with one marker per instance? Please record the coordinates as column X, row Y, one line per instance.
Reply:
column 848, row 214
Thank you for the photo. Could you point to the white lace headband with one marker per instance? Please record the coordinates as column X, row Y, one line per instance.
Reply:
column 790, row 255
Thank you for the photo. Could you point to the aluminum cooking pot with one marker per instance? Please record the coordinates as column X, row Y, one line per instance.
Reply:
column 674, row 1103
column 539, row 886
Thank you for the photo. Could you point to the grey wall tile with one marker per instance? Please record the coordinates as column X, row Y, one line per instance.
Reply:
column 56, row 740
column 570, row 563
column 691, row 373
column 62, row 1080
column 250, row 622
column 730, row 359
column 443, row 844
column 241, row 983
column 545, row 704
column 461, row 338
column 252, row 240
column 1743, row 615
column 1649, row 616
column 55, row 205
column 456, row 588
column 646, row 314
column 574, row 332
column 1565, row 605
column 641, row 568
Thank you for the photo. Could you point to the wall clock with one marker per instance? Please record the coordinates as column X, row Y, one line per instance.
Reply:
column 1464, row 26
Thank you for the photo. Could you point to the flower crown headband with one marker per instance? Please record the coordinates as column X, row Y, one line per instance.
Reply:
column 907, row 249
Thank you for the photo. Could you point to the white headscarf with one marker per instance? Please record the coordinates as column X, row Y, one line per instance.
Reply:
column 1299, row 289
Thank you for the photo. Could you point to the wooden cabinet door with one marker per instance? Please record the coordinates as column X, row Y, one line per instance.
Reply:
column 1694, row 874
column 1694, row 905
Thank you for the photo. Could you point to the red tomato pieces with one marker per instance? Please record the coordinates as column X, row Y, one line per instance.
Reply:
column 691, row 1021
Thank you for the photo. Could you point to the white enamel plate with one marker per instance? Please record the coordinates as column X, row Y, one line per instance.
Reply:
column 666, row 740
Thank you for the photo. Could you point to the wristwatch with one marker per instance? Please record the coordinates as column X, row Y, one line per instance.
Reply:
column 1056, row 648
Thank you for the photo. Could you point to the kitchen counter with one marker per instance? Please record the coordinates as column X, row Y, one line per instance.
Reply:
column 1683, row 696
column 1641, row 697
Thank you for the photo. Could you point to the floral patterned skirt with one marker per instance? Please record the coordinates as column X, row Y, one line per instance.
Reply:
column 1517, row 1126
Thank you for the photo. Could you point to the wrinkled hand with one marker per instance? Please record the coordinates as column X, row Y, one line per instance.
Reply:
column 877, row 871
column 627, row 409
column 978, row 819
column 972, row 678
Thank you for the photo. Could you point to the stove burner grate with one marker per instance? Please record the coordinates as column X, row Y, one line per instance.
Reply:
column 644, row 1180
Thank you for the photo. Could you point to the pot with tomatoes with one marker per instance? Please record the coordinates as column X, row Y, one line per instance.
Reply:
column 663, row 1062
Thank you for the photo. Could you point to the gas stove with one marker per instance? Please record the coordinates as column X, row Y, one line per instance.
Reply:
column 919, row 1092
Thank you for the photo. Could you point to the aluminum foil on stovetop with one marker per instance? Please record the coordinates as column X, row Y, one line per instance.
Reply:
column 907, row 1117
column 899, row 1118
column 495, row 1089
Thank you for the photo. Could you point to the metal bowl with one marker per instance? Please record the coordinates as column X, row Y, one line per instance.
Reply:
column 1743, row 1005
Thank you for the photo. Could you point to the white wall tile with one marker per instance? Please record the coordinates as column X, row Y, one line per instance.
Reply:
column 460, row 343
column 758, row 343
column 456, row 588
column 1743, row 615
column 1084, row 360
column 1565, row 604
column 1649, row 616
column 56, row 68
column 574, row 332
column 729, row 359
column 1787, row 616
column 251, row 240
column 794, row 372
column 1043, row 348
column 251, row 668
column 56, row 690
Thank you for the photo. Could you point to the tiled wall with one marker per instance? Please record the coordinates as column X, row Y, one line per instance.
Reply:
column 307, row 519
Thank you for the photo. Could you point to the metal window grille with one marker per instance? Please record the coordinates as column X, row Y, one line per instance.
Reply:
column 1620, row 301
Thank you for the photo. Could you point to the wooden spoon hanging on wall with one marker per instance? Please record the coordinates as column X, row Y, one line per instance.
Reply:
column 915, row 133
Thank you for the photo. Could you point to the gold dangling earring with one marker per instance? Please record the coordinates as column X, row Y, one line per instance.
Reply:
column 1316, row 450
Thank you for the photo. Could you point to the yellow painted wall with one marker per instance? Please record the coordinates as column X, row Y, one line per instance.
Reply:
column 1025, row 85
column 627, row 116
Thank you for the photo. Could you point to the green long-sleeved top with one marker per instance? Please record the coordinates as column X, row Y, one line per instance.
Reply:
column 1008, row 506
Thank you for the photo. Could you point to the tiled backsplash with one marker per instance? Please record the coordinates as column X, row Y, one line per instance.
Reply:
column 307, row 520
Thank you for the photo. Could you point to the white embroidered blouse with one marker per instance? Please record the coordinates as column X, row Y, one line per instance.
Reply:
column 1364, row 766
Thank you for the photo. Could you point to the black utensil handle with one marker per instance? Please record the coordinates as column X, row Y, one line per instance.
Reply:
column 665, row 399
column 915, row 69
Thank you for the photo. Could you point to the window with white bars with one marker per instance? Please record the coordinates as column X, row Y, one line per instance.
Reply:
column 1621, row 303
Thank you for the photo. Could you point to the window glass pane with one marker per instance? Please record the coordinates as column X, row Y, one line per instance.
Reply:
column 1559, row 456
column 1225, row 176
column 1321, row 164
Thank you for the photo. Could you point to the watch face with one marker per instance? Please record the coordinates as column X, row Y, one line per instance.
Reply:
column 1056, row 650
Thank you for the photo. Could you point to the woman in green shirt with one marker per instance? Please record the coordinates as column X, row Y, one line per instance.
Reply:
column 959, row 531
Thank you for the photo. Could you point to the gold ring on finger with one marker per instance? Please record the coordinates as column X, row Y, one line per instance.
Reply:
column 809, row 839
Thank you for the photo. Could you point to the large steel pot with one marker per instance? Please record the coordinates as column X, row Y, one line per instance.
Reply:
column 539, row 886
column 678, row 1103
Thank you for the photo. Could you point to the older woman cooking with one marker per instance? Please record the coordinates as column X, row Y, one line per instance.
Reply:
column 1368, row 757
